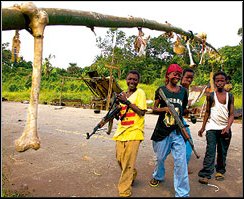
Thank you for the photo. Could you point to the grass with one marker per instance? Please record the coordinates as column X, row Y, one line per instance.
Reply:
column 47, row 96
column 6, row 193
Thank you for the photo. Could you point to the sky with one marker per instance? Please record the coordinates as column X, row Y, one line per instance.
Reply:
column 220, row 20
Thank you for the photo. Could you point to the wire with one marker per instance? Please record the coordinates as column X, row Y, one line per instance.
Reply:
column 212, row 185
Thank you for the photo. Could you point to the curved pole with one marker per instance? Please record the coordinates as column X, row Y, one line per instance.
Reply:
column 13, row 19
column 38, row 20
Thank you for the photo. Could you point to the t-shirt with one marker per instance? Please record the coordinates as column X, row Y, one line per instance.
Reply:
column 179, row 100
column 132, row 126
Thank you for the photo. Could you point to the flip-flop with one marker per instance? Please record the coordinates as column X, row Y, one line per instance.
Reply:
column 203, row 180
column 154, row 183
column 219, row 176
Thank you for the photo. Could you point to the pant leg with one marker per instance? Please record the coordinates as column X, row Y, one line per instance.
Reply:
column 181, row 180
column 126, row 153
column 188, row 146
column 209, row 159
column 161, row 150
column 222, row 148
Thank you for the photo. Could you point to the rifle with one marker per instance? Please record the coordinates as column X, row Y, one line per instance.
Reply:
column 178, row 121
column 111, row 114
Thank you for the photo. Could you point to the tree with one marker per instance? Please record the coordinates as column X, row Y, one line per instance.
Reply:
column 232, row 62
column 240, row 34
column 6, row 57
column 47, row 65
column 74, row 70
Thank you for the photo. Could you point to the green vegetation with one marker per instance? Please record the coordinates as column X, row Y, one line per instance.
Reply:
column 17, row 77
column 7, row 193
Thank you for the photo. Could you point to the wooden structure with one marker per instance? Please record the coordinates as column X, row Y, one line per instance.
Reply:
column 99, row 86
column 111, row 82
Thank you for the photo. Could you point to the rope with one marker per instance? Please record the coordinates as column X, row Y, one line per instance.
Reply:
column 212, row 185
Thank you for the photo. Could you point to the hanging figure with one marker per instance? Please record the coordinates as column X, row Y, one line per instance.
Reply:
column 192, row 64
column 203, row 36
column 15, row 47
column 168, row 34
column 179, row 49
column 141, row 43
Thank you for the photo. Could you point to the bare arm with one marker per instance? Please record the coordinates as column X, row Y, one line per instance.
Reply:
column 123, row 99
column 231, row 117
column 206, row 116
column 137, row 110
column 156, row 108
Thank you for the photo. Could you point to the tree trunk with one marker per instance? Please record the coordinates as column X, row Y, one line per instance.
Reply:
column 13, row 19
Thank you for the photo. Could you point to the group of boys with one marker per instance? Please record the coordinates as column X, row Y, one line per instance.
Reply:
column 166, row 137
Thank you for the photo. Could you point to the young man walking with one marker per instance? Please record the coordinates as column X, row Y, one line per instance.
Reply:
column 217, row 122
column 166, row 137
column 130, row 132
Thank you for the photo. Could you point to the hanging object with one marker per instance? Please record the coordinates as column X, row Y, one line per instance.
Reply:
column 168, row 34
column 192, row 64
column 203, row 36
column 211, row 53
column 93, row 30
column 141, row 43
column 15, row 47
column 178, row 48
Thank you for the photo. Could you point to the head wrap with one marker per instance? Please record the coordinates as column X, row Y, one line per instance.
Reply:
column 174, row 68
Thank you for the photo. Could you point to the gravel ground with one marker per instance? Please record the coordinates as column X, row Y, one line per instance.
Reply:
column 67, row 164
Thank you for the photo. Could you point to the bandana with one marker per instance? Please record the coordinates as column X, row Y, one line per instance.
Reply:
column 173, row 68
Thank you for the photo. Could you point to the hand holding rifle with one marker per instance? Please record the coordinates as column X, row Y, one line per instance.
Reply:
column 178, row 121
column 107, row 118
column 112, row 113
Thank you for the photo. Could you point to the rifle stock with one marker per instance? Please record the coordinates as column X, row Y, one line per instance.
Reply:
column 178, row 121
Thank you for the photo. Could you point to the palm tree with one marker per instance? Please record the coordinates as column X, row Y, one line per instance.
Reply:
column 47, row 66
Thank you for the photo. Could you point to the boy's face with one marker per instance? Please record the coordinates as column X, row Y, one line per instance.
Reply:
column 220, row 81
column 174, row 77
column 132, row 81
column 187, row 79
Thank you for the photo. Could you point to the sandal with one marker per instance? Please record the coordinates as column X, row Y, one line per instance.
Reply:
column 219, row 176
column 154, row 183
column 203, row 180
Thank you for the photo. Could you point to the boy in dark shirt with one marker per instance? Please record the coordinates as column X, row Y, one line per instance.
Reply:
column 167, row 137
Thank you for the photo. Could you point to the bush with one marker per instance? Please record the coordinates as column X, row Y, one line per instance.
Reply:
column 13, row 88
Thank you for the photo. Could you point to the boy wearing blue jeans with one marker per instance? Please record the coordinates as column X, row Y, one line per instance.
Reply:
column 187, row 78
column 166, row 137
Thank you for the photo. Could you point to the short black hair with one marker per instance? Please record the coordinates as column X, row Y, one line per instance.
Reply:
column 187, row 70
column 228, row 78
column 220, row 73
column 134, row 72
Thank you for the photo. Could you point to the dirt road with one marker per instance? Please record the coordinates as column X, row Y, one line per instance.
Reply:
column 67, row 164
